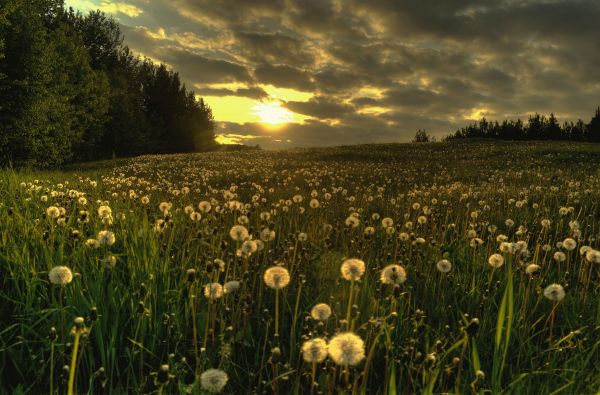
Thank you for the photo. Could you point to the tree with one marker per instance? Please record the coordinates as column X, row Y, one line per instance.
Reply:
column 421, row 136
column 593, row 128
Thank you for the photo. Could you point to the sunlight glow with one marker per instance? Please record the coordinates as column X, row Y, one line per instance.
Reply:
column 272, row 113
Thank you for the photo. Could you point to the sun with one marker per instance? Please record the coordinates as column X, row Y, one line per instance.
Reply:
column 272, row 113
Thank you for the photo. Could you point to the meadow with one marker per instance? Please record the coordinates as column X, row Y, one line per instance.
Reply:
column 458, row 267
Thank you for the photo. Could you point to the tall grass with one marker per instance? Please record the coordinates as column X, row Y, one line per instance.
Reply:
column 149, row 328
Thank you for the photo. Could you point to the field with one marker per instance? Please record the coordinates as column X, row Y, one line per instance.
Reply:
column 200, row 273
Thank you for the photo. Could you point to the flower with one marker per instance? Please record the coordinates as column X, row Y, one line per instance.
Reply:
column 393, row 275
column 60, row 275
column 444, row 265
column 109, row 261
column 230, row 287
column 213, row 380
column 106, row 237
column 53, row 212
column 496, row 260
column 213, row 291
column 559, row 256
column 320, row 312
column 532, row 268
column 554, row 292
column 314, row 350
column 569, row 244
column 352, row 269
column 276, row 277
column 104, row 211
column 238, row 233
column 346, row 349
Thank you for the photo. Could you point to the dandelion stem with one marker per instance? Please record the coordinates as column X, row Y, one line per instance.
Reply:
column 349, row 308
column 276, row 312
column 73, row 362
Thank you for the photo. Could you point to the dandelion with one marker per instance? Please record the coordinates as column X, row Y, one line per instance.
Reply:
column 53, row 212
column 276, row 277
column 393, row 275
column 320, row 312
column 60, row 275
column 352, row 269
column 444, row 265
column 592, row 256
column 532, row 268
column 554, row 292
column 106, row 237
column 238, row 233
column 560, row 256
column 104, row 211
column 109, row 262
column 496, row 260
column 213, row 380
column 230, row 287
column 213, row 291
column 569, row 244
column 314, row 350
column 387, row 222
column 346, row 349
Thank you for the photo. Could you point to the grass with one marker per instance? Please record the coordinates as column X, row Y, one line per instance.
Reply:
column 150, row 328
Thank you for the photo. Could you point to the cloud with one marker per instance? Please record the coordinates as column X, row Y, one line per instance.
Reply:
column 432, row 64
column 284, row 76
column 252, row 93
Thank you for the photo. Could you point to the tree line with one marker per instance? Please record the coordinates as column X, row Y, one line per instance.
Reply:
column 71, row 90
column 537, row 127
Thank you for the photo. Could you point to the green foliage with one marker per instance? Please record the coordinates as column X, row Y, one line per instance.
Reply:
column 538, row 127
column 71, row 91
column 472, row 330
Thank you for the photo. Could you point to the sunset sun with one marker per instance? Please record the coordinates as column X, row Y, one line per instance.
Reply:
column 272, row 113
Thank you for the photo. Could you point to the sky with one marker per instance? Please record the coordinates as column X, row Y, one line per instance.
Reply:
column 297, row 73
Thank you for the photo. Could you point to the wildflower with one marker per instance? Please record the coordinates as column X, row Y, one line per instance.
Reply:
column 53, row 212
column 109, row 262
column 314, row 350
column 302, row 236
column 559, row 256
column 60, row 275
column 393, row 275
column 213, row 380
column 106, row 237
column 554, row 292
column 387, row 222
column 352, row 269
column 496, row 260
column 347, row 349
column 104, row 211
column 592, row 256
column 352, row 221
column 532, row 268
column 213, row 291
column 320, row 312
column 267, row 234
column 238, row 233
column 444, row 265
column 569, row 244
column 314, row 203
column 230, row 287
column 276, row 277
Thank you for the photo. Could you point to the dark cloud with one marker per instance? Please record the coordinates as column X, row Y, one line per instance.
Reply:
column 431, row 64
column 284, row 76
column 320, row 107
column 252, row 93
column 273, row 47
